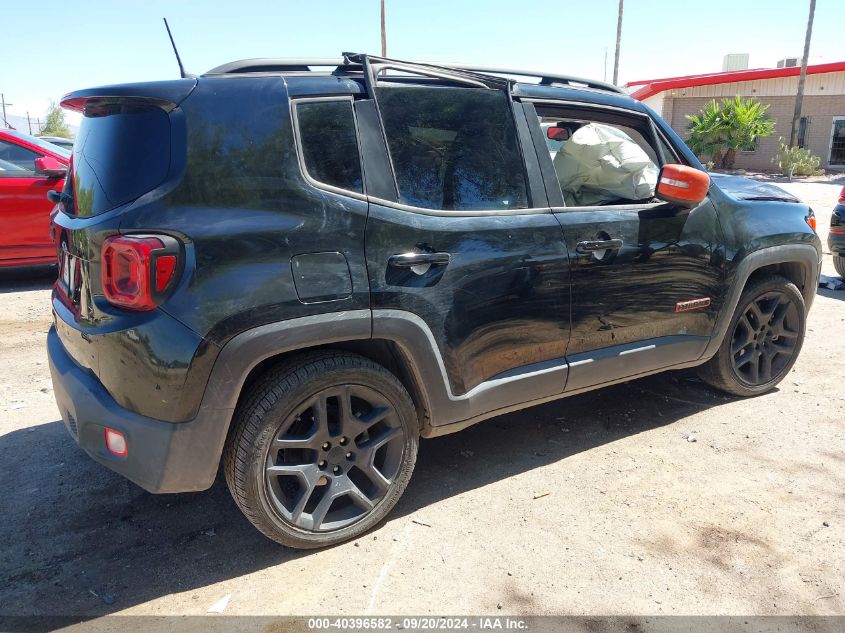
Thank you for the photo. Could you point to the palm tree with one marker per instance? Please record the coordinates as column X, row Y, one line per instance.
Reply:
column 383, row 33
column 799, row 98
column 722, row 129
column 618, row 44
column 707, row 137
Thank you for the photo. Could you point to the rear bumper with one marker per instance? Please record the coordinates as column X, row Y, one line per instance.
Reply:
column 836, row 243
column 162, row 456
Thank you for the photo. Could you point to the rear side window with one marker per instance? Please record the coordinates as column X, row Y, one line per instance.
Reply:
column 329, row 143
column 453, row 148
column 122, row 152
column 16, row 158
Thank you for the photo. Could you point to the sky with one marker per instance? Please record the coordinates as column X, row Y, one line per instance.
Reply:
column 92, row 43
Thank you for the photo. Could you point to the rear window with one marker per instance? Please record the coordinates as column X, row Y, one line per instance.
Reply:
column 329, row 143
column 122, row 152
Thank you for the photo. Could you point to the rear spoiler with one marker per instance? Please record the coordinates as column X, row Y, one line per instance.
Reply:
column 164, row 94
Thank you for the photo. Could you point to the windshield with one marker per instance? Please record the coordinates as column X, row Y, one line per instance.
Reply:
column 50, row 147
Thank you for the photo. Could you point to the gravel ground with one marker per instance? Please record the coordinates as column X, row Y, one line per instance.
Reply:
column 654, row 497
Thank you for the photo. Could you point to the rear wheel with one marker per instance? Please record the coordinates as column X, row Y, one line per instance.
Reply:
column 322, row 448
column 763, row 339
column 839, row 265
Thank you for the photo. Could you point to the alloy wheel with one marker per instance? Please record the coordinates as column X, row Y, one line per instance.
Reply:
column 765, row 338
column 334, row 459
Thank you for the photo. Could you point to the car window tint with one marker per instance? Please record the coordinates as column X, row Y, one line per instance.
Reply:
column 330, row 144
column 453, row 148
column 21, row 157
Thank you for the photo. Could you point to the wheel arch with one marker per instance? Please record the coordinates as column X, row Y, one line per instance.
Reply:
column 797, row 262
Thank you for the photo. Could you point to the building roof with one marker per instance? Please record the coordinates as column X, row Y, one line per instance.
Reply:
column 650, row 87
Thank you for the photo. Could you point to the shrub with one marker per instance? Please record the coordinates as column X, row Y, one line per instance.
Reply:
column 796, row 161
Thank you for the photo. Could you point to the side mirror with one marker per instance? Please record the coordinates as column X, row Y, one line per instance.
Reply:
column 50, row 167
column 682, row 185
column 557, row 133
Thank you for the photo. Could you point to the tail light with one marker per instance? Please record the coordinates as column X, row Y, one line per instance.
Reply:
column 837, row 227
column 842, row 195
column 138, row 271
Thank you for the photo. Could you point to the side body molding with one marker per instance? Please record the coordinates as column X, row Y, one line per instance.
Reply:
column 534, row 383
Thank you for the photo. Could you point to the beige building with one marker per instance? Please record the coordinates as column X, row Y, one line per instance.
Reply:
column 822, row 128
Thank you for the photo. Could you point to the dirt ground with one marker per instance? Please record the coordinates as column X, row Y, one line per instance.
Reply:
column 654, row 497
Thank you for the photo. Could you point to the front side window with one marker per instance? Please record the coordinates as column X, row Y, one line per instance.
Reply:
column 453, row 148
column 330, row 144
column 599, row 163
column 14, row 156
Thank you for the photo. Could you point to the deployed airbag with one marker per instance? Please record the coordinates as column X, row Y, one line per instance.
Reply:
column 601, row 164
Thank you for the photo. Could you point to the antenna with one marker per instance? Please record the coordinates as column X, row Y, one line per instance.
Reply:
column 182, row 72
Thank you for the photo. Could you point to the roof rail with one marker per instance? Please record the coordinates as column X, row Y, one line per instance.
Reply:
column 276, row 64
column 306, row 64
column 546, row 79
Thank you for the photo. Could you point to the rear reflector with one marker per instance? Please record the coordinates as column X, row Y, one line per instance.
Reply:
column 116, row 443
column 165, row 265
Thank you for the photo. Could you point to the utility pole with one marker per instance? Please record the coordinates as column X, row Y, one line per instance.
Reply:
column 29, row 123
column 619, row 44
column 3, row 100
column 799, row 98
column 383, row 33
column 604, row 77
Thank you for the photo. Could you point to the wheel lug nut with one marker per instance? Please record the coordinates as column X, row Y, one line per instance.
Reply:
column 336, row 470
column 321, row 464
column 349, row 456
column 326, row 446
column 343, row 441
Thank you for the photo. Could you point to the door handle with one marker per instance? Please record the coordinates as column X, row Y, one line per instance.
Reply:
column 591, row 246
column 409, row 260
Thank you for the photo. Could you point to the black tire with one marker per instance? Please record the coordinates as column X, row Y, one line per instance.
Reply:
column 763, row 339
column 287, row 459
column 839, row 265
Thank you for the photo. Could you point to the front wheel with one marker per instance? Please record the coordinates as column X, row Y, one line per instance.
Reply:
column 322, row 448
column 763, row 339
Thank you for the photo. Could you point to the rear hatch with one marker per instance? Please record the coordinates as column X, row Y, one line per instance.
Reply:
column 122, row 155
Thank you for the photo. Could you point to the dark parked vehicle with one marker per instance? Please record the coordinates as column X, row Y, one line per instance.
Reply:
column 64, row 143
column 301, row 267
column 836, row 236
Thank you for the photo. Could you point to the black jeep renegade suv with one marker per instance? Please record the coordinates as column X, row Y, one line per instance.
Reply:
column 300, row 267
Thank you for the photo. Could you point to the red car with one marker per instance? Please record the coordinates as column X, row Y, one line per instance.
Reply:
column 29, row 168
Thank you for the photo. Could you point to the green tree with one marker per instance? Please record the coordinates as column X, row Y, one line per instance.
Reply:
column 706, row 132
column 55, row 124
column 722, row 129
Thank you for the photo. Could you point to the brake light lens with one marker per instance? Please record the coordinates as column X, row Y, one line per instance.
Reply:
column 842, row 195
column 135, row 271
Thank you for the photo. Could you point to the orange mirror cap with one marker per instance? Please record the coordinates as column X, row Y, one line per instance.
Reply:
column 682, row 184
